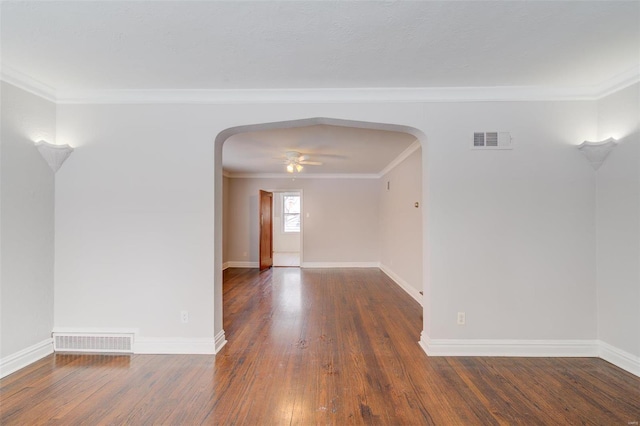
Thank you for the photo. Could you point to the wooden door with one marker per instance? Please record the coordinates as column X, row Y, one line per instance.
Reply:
column 266, row 230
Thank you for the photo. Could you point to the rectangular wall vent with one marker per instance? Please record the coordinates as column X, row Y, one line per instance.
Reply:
column 93, row 342
column 491, row 140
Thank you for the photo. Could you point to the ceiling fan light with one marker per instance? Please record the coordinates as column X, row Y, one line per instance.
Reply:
column 299, row 167
column 290, row 168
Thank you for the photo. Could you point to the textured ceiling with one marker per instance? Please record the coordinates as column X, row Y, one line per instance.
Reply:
column 95, row 45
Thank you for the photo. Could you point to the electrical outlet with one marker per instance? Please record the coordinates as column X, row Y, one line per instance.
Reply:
column 184, row 316
column 461, row 318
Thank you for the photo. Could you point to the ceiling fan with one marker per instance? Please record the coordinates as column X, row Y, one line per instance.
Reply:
column 295, row 161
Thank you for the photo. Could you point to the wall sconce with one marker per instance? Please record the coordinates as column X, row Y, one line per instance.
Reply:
column 54, row 155
column 596, row 152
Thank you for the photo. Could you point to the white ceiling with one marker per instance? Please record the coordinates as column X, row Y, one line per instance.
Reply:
column 339, row 149
column 93, row 45
column 97, row 49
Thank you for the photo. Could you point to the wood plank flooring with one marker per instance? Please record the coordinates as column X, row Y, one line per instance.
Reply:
column 315, row 347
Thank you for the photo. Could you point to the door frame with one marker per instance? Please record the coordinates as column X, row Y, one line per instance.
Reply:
column 300, row 191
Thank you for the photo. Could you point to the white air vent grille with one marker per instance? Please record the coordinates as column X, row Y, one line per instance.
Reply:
column 491, row 140
column 93, row 342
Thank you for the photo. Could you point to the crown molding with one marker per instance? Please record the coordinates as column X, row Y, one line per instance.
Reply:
column 335, row 95
column 303, row 175
column 400, row 158
column 618, row 82
column 23, row 81
column 344, row 95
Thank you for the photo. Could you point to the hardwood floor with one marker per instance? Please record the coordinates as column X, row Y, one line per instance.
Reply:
column 313, row 347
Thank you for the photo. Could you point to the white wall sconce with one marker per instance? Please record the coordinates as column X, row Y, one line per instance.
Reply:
column 596, row 152
column 54, row 155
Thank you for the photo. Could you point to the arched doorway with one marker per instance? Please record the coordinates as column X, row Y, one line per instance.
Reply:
column 220, row 339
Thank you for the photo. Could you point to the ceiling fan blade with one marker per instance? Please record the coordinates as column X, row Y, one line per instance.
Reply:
column 311, row 163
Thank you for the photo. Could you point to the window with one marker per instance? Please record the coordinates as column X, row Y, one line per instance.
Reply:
column 291, row 209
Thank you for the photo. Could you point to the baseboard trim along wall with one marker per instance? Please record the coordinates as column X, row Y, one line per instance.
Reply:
column 175, row 345
column 241, row 264
column 508, row 347
column 23, row 358
column 219, row 341
column 340, row 265
column 531, row 348
column 620, row 358
column 411, row 291
column 142, row 345
column 432, row 347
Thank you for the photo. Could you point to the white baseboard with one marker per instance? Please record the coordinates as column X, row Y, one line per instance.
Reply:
column 509, row 347
column 620, row 358
column 532, row 348
column 340, row 264
column 175, row 345
column 21, row 359
column 219, row 341
column 225, row 265
column 242, row 264
column 411, row 291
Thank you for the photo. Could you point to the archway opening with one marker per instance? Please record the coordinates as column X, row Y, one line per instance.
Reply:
column 223, row 136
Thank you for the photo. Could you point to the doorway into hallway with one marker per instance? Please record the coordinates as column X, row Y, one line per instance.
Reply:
column 287, row 228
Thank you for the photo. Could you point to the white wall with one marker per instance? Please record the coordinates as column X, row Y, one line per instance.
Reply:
column 401, row 223
column 511, row 232
column 26, row 221
column 134, row 221
column 225, row 220
column 340, row 218
column 618, row 223
column 510, row 241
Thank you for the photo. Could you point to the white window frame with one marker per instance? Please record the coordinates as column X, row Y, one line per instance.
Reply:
column 284, row 214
